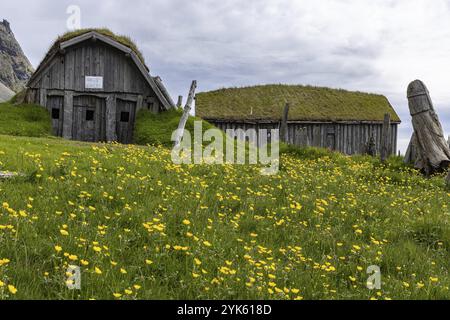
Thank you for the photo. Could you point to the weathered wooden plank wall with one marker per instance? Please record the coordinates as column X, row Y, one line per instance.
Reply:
column 67, row 71
column 342, row 137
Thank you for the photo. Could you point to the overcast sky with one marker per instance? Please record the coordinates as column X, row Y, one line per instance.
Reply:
column 374, row 46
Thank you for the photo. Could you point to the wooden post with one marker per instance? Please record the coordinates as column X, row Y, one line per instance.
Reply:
column 68, row 115
column 385, row 138
column 284, row 130
column 185, row 115
column 111, row 118
column 180, row 102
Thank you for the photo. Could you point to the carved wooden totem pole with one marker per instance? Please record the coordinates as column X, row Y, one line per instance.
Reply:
column 428, row 150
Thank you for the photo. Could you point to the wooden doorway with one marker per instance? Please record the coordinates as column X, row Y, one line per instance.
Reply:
column 55, row 105
column 331, row 138
column 126, row 115
column 89, row 119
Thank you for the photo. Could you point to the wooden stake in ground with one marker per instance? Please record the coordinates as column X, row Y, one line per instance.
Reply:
column 428, row 150
column 180, row 102
column 185, row 115
column 385, row 138
column 284, row 132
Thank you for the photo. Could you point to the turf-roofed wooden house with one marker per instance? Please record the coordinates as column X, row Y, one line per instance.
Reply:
column 321, row 117
column 93, row 83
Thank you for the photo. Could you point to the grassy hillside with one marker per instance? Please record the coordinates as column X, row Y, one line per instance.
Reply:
column 24, row 120
column 157, row 129
column 307, row 103
column 141, row 227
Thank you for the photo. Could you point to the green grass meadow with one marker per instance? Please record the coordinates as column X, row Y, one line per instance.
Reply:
column 141, row 227
column 24, row 120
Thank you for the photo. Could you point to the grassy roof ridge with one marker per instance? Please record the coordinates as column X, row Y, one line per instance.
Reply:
column 122, row 39
column 294, row 86
column 308, row 103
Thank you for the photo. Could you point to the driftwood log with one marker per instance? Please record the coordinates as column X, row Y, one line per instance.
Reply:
column 428, row 150
column 185, row 116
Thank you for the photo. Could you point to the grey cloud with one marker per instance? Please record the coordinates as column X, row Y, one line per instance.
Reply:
column 343, row 44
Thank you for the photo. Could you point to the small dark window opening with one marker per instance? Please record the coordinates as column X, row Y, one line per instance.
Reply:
column 124, row 116
column 90, row 115
column 55, row 113
column 151, row 105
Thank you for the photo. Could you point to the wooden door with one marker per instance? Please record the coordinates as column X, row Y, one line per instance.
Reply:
column 126, row 115
column 331, row 141
column 89, row 119
column 55, row 105
column 331, row 137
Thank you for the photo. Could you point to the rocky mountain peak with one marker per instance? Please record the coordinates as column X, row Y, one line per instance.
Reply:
column 6, row 24
column 15, row 68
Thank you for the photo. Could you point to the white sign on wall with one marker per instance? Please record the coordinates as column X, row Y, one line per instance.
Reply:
column 93, row 82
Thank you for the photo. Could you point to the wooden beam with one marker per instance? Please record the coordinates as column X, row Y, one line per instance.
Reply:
column 185, row 115
column 151, row 81
column 180, row 102
column 447, row 180
column 164, row 91
column 284, row 131
column 97, row 36
column 385, row 138
column 111, row 118
column 68, row 115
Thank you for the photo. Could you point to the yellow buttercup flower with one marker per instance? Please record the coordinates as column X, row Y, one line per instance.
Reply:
column 73, row 257
column 12, row 289
column 207, row 243
column 4, row 262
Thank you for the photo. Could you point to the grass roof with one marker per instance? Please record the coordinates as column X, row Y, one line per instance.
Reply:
column 124, row 40
column 266, row 102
